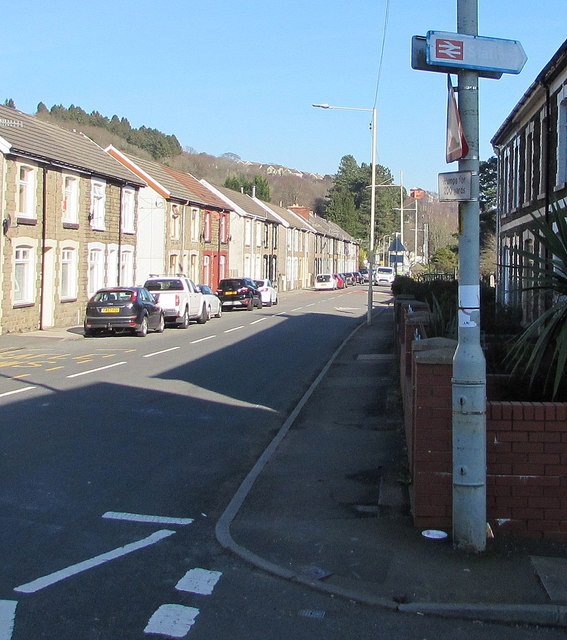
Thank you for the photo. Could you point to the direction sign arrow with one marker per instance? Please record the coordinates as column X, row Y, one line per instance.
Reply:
column 459, row 51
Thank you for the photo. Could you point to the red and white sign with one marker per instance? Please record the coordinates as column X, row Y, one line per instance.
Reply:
column 460, row 51
column 456, row 146
column 449, row 49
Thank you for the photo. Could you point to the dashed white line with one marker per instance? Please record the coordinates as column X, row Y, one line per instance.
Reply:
column 62, row 574
column 139, row 517
column 7, row 618
column 157, row 353
column 84, row 373
column 260, row 320
column 234, row 329
column 11, row 393
column 200, row 581
column 202, row 339
column 297, row 309
column 173, row 620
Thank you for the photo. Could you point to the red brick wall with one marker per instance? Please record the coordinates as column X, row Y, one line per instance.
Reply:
column 526, row 460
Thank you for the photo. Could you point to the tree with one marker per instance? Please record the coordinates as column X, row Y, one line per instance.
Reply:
column 41, row 108
column 259, row 185
column 487, row 223
column 444, row 260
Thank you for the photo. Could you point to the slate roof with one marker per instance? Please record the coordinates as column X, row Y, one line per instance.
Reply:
column 167, row 185
column 247, row 204
column 41, row 141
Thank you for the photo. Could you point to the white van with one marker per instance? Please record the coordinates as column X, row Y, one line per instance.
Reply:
column 384, row 275
column 325, row 281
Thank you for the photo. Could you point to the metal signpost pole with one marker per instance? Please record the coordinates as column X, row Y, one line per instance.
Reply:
column 469, row 368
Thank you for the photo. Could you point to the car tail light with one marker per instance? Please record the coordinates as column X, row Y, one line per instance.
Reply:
column 264, row 289
column 243, row 290
column 177, row 299
column 134, row 296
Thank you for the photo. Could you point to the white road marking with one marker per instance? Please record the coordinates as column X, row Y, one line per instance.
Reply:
column 173, row 620
column 11, row 393
column 202, row 339
column 199, row 581
column 7, row 618
column 234, row 329
column 157, row 353
column 62, row 574
column 311, row 305
column 84, row 373
column 297, row 309
column 138, row 517
column 260, row 320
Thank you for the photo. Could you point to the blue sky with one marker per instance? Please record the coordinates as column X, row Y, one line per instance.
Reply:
column 240, row 77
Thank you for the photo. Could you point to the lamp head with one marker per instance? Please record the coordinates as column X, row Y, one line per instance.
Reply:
column 321, row 106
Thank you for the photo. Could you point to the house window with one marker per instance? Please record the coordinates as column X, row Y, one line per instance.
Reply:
column 127, row 267
column 207, row 229
column 248, row 232
column 528, row 164
column 68, row 273
column 259, row 234
column 173, row 258
column 175, row 222
column 206, row 269
column 23, row 275
column 98, row 204
column 222, row 231
column 128, row 210
column 195, row 225
column 222, row 267
column 26, row 192
column 96, row 270
column 561, row 178
column 70, row 199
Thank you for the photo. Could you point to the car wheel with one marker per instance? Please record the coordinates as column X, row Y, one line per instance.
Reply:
column 259, row 303
column 184, row 319
column 251, row 304
column 89, row 333
column 275, row 302
column 218, row 314
column 268, row 304
column 161, row 324
column 204, row 315
column 142, row 332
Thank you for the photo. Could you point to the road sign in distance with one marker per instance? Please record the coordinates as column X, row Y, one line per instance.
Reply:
column 419, row 60
column 459, row 51
column 455, row 186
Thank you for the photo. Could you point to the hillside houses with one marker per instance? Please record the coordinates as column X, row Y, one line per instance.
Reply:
column 76, row 217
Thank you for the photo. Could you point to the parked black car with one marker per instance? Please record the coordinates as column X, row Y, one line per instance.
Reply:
column 123, row 309
column 237, row 293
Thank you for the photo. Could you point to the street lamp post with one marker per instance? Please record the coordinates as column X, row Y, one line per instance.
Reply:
column 372, row 205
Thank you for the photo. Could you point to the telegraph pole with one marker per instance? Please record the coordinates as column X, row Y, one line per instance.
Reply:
column 469, row 366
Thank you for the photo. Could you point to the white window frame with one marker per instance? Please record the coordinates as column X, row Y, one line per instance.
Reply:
column 127, row 266
column 70, row 202
column 26, row 185
column 95, row 267
column 24, row 270
column 98, row 204
column 561, row 173
column 194, row 224
column 247, row 232
column 128, row 210
column 68, row 279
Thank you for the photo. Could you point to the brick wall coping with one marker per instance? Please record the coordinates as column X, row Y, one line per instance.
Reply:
column 435, row 356
column 428, row 344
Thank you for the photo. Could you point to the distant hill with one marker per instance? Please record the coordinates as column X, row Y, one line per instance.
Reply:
column 287, row 186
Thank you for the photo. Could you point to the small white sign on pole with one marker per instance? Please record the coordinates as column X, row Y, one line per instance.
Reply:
column 455, row 186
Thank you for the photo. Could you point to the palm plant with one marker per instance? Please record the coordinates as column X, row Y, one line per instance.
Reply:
column 542, row 347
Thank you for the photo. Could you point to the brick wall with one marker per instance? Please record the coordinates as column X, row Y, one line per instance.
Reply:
column 526, row 449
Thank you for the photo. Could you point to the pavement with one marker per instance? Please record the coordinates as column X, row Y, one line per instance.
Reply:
column 326, row 505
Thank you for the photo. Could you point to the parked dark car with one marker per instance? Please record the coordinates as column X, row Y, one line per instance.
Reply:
column 123, row 309
column 237, row 293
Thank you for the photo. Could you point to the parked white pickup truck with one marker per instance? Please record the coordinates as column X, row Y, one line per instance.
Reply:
column 179, row 298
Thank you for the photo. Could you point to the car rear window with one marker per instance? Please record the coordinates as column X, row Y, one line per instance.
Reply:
column 323, row 278
column 388, row 270
column 225, row 285
column 114, row 296
column 164, row 285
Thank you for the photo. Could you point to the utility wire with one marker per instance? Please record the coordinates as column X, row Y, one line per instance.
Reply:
column 386, row 18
